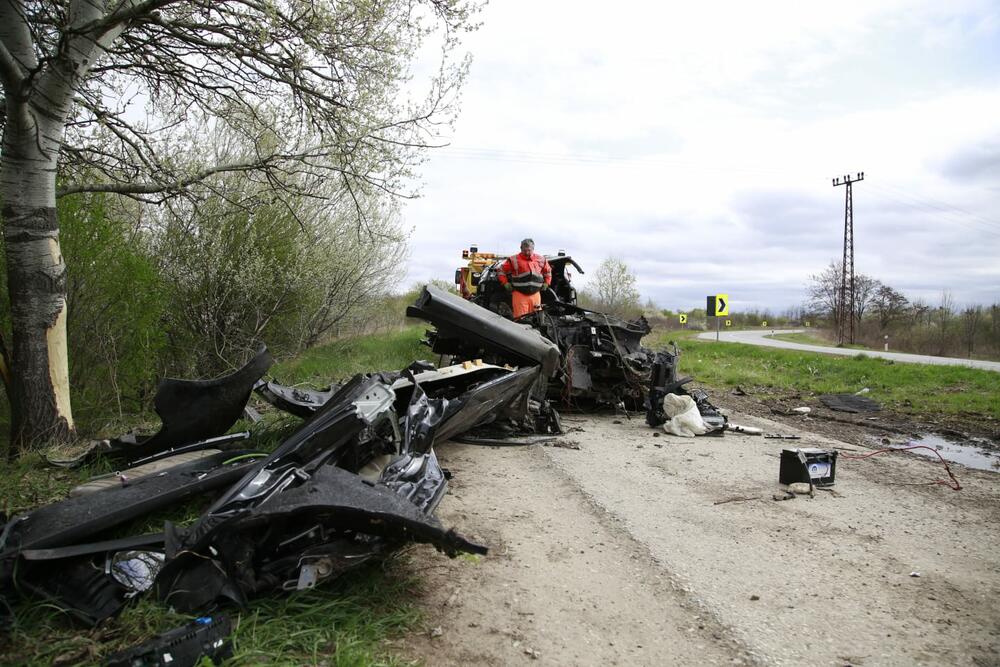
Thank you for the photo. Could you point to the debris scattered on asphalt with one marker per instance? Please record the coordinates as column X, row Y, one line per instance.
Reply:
column 811, row 465
column 744, row 430
column 736, row 499
column 914, row 574
column 781, row 436
column 800, row 488
column 355, row 482
column 802, row 410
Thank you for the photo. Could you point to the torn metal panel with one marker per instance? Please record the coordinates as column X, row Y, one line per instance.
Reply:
column 486, row 402
column 461, row 324
column 235, row 555
column 84, row 517
column 299, row 401
column 194, row 410
column 356, row 424
column 78, row 586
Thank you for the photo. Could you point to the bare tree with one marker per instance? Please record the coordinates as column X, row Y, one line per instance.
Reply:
column 865, row 291
column 614, row 288
column 824, row 291
column 971, row 319
column 889, row 305
column 995, row 325
column 943, row 316
column 323, row 76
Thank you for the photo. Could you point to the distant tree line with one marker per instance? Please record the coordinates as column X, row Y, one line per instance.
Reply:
column 913, row 325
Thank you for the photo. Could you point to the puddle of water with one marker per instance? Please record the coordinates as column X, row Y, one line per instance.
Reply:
column 971, row 454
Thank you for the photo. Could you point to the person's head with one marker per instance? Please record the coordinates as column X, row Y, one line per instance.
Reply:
column 527, row 246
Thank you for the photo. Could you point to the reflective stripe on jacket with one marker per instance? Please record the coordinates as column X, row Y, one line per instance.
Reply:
column 526, row 274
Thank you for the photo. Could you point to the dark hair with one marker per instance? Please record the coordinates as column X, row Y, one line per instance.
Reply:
column 531, row 241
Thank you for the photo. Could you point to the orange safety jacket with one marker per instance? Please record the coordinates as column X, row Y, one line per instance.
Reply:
column 526, row 274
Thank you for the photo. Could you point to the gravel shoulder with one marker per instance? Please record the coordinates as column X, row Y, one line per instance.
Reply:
column 637, row 549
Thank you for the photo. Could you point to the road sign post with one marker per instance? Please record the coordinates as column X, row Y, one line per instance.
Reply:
column 717, row 306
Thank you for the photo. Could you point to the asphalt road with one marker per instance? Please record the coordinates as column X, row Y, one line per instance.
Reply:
column 617, row 547
column 761, row 338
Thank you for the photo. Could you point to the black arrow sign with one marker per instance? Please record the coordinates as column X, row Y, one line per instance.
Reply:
column 720, row 305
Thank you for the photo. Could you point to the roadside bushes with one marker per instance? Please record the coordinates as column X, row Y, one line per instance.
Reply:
column 191, row 289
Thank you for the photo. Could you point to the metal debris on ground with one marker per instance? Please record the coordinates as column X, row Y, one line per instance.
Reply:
column 849, row 403
column 358, row 479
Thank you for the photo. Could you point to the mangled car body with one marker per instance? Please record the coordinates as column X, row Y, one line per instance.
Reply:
column 594, row 359
column 356, row 480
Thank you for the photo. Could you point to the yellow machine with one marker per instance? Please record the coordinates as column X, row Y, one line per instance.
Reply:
column 467, row 277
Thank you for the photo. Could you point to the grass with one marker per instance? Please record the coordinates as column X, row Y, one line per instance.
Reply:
column 812, row 339
column 346, row 622
column 341, row 624
column 343, row 358
column 915, row 389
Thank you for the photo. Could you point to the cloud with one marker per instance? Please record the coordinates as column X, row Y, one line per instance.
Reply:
column 697, row 142
column 979, row 162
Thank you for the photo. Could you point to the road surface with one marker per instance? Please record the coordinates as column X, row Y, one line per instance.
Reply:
column 638, row 549
column 761, row 338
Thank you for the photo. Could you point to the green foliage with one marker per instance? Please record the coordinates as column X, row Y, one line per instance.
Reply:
column 116, row 307
column 115, row 310
column 343, row 358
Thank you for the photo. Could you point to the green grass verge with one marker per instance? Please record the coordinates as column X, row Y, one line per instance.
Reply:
column 344, row 623
column 343, row 358
column 812, row 339
column 907, row 388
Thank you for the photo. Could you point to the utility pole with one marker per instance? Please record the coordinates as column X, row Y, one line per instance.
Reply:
column 845, row 306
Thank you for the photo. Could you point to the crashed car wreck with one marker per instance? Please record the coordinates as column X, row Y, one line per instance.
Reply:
column 356, row 480
column 599, row 359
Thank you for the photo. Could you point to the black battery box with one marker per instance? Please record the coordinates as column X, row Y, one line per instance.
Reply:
column 820, row 465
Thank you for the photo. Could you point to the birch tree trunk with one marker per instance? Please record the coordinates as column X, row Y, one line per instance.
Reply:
column 37, row 100
column 36, row 274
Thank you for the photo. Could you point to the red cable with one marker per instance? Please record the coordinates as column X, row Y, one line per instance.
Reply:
column 954, row 487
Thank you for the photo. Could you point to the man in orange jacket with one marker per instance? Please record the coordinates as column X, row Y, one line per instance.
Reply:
column 525, row 275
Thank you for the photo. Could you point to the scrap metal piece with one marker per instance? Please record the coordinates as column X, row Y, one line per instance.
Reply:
column 69, row 521
column 203, row 638
column 333, row 435
column 77, row 586
column 244, row 552
column 194, row 410
column 849, row 403
column 299, row 401
column 462, row 322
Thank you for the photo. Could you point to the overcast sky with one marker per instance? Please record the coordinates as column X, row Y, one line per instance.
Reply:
column 698, row 140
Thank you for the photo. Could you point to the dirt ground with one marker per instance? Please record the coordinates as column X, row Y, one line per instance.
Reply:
column 645, row 549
